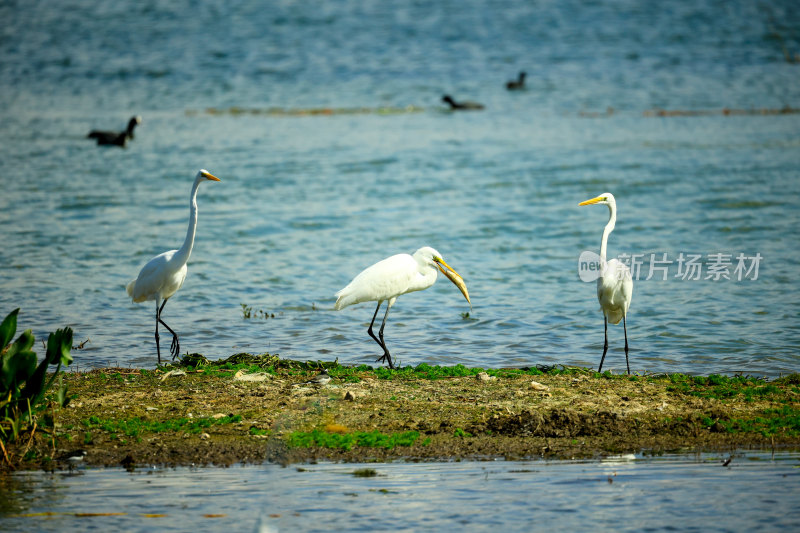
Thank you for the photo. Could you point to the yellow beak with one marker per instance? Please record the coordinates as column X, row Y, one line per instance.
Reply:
column 453, row 276
column 593, row 201
column 209, row 176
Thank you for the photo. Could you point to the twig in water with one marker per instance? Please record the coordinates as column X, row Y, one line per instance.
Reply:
column 81, row 345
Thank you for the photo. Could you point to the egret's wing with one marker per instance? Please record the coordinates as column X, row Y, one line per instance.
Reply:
column 384, row 280
column 614, row 290
column 151, row 278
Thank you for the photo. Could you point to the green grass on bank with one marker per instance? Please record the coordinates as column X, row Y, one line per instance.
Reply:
column 133, row 427
column 345, row 441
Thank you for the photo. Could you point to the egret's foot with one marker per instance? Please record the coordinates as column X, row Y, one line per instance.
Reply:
column 175, row 347
column 385, row 358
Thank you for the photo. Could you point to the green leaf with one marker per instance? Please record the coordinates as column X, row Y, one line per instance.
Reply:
column 25, row 341
column 59, row 345
column 66, row 347
column 8, row 328
column 61, row 395
column 18, row 363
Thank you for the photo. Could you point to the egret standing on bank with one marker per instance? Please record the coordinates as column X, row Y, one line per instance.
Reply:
column 396, row 275
column 615, row 285
column 164, row 274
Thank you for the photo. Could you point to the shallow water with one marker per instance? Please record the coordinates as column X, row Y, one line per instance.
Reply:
column 628, row 493
column 306, row 202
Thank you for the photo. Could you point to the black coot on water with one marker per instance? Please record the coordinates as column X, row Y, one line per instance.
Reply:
column 116, row 138
column 463, row 106
column 515, row 85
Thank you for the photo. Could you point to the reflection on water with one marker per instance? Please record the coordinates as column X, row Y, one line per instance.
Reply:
column 627, row 493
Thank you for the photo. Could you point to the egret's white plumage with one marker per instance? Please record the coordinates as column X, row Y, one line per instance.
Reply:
column 614, row 285
column 164, row 274
column 391, row 277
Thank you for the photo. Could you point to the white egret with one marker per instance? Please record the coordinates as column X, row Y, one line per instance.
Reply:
column 614, row 285
column 118, row 138
column 396, row 275
column 164, row 274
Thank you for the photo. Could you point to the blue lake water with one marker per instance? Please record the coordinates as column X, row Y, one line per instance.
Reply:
column 308, row 200
column 669, row 493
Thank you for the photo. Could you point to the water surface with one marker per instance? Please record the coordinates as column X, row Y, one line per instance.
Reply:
column 306, row 202
column 756, row 491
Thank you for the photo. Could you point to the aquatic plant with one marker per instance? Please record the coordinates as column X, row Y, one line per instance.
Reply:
column 249, row 312
column 22, row 383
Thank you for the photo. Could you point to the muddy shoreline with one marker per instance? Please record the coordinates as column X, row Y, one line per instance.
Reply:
column 256, row 409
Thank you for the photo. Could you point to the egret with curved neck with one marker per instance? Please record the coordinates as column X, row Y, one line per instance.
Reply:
column 392, row 277
column 164, row 274
column 614, row 285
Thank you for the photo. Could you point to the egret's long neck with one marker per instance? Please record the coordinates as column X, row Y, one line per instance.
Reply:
column 182, row 256
column 427, row 277
column 612, row 220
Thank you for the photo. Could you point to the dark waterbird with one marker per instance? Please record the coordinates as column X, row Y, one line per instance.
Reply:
column 115, row 138
column 465, row 106
column 515, row 85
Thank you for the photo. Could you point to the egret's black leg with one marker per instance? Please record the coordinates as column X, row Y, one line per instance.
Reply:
column 605, row 344
column 175, row 347
column 625, row 328
column 376, row 339
column 369, row 330
column 386, row 354
column 158, row 346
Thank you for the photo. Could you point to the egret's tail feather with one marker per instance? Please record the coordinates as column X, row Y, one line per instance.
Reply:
column 130, row 287
column 614, row 316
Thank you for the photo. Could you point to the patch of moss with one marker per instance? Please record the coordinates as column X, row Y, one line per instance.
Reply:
column 773, row 421
column 136, row 426
column 371, row 439
column 791, row 379
column 721, row 387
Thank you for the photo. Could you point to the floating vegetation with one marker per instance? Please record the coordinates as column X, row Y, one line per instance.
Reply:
column 311, row 111
column 725, row 111
column 247, row 312
column 388, row 110
column 365, row 472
